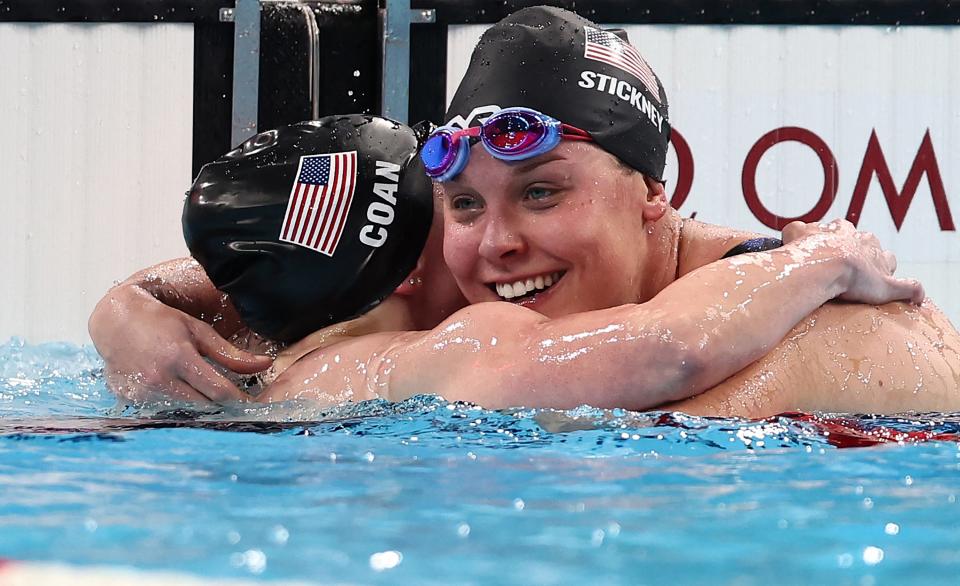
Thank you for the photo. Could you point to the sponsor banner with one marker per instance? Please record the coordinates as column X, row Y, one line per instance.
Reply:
column 775, row 123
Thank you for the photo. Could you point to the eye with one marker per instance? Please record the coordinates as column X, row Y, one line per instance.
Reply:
column 542, row 197
column 538, row 192
column 465, row 202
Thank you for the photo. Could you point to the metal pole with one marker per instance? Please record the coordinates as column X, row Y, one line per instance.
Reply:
column 313, row 60
column 395, row 91
column 245, row 16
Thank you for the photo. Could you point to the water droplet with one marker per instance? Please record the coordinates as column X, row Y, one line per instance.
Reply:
column 872, row 555
column 385, row 560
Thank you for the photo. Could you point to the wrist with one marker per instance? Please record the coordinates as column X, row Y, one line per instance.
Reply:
column 828, row 268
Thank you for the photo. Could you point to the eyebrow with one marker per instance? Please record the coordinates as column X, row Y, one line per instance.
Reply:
column 520, row 168
column 528, row 166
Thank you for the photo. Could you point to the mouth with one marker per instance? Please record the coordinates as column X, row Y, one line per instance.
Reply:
column 524, row 289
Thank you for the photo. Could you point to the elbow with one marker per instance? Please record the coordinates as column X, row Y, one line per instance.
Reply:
column 688, row 374
column 677, row 374
column 104, row 314
column 693, row 374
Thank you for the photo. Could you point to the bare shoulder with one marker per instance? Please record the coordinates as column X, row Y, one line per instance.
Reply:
column 892, row 323
column 890, row 358
column 467, row 346
column 396, row 365
column 333, row 373
column 704, row 243
column 849, row 358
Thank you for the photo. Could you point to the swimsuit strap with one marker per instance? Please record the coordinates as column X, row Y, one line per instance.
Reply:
column 754, row 245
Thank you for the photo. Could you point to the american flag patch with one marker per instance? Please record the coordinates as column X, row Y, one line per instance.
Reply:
column 319, row 202
column 612, row 50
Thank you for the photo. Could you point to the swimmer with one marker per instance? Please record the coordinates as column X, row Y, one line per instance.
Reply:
column 589, row 344
column 181, row 329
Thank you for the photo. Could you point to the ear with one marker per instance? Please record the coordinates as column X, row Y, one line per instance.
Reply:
column 655, row 204
column 413, row 282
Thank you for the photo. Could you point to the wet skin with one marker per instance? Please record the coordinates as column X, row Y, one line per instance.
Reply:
column 572, row 212
column 507, row 222
column 848, row 359
column 558, row 216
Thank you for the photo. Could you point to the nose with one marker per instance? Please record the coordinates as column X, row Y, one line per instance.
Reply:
column 501, row 240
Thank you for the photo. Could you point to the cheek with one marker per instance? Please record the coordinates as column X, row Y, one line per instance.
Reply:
column 460, row 249
column 606, row 247
column 584, row 231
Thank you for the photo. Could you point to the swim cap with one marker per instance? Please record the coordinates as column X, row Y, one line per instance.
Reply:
column 313, row 223
column 561, row 64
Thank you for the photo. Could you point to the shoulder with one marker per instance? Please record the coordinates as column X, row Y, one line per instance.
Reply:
column 394, row 365
column 494, row 313
column 332, row 373
column 702, row 243
column 854, row 319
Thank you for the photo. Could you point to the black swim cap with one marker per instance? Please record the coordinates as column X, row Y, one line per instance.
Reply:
column 561, row 64
column 313, row 223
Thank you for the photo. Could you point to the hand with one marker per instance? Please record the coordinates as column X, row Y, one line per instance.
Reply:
column 870, row 268
column 153, row 352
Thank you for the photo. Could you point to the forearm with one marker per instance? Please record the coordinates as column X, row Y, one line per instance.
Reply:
column 696, row 333
column 179, row 283
column 728, row 314
column 693, row 335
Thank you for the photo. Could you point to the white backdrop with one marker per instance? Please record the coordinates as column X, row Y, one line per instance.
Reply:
column 94, row 161
column 834, row 86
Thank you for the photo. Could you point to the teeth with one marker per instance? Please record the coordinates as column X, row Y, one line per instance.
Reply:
column 521, row 288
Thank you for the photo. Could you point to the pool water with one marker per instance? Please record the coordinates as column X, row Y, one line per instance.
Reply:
column 429, row 492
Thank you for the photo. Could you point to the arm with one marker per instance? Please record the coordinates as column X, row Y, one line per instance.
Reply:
column 697, row 332
column 155, row 328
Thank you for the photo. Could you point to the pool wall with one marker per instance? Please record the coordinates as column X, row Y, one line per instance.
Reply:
column 781, row 113
column 96, row 158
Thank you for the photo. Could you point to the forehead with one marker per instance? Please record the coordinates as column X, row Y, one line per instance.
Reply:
column 573, row 159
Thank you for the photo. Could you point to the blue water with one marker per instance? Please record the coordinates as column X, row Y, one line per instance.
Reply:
column 428, row 492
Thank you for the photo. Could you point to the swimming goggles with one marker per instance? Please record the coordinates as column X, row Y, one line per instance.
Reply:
column 512, row 134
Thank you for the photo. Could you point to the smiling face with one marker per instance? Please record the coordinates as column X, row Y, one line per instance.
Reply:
column 560, row 233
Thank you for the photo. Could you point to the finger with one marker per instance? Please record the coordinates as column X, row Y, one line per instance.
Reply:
column 204, row 379
column 869, row 238
column 919, row 294
column 175, row 389
column 214, row 346
column 891, row 260
column 793, row 231
column 841, row 225
column 908, row 289
column 182, row 391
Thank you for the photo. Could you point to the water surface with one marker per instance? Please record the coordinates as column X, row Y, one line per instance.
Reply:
column 428, row 492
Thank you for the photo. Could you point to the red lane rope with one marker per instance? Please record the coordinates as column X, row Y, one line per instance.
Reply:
column 844, row 432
